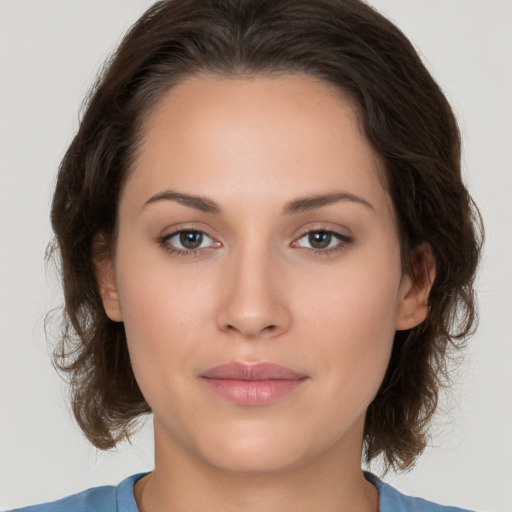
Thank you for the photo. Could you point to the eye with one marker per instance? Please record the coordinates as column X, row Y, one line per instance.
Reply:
column 322, row 240
column 186, row 241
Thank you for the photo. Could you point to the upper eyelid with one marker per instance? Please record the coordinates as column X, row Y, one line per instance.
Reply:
column 342, row 232
column 179, row 228
column 302, row 233
column 172, row 234
column 342, row 237
column 323, row 230
column 185, row 230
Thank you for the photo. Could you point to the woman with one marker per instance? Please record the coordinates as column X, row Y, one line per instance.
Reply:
column 264, row 239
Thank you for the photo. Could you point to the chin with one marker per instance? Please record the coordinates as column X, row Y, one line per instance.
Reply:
column 255, row 450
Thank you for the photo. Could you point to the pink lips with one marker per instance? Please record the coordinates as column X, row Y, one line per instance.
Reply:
column 252, row 384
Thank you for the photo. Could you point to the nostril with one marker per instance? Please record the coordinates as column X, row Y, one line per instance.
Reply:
column 269, row 329
column 251, row 320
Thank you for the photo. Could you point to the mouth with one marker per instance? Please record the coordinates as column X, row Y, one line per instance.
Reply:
column 252, row 384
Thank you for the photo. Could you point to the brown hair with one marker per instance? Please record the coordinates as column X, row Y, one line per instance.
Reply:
column 407, row 120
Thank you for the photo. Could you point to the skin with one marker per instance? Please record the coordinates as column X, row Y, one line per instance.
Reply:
column 258, row 290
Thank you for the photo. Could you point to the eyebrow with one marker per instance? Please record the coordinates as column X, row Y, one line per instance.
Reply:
column 317, row 201
column 197, row 202
column 300, row 205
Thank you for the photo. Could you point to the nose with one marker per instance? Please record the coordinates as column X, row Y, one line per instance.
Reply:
column 254, row 304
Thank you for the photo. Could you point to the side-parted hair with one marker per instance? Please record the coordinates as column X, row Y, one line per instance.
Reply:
column 406, row 119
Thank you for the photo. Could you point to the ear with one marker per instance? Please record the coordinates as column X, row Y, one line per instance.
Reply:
column 106, row 279
column 414, row 289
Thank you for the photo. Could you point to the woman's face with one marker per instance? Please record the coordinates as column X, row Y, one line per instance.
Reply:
column 257, row 273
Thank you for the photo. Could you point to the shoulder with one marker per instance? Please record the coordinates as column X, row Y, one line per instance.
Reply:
column 98, row 499
column 392, row 500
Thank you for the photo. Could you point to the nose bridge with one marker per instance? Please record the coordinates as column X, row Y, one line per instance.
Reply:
column 254, row 304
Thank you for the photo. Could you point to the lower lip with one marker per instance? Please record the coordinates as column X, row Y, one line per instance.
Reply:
column 253, row 392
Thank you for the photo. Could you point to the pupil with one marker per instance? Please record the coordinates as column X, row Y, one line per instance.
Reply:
column 320, row 239
column 191, row 239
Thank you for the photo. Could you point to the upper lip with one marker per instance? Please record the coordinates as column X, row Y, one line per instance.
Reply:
column 252, row 372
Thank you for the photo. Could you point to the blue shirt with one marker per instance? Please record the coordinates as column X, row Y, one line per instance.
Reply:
column 120, row 499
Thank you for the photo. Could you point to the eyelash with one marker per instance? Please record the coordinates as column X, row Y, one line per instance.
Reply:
column 166, row 245
column 343, row 241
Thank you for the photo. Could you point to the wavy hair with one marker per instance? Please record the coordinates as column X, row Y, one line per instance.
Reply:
column 407, row 120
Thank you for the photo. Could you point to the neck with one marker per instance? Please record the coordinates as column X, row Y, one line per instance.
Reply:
column 182, row 482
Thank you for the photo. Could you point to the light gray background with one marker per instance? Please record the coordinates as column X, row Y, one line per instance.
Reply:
column 50, row 51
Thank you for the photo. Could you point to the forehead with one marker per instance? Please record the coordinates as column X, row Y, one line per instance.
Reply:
column 294, row 131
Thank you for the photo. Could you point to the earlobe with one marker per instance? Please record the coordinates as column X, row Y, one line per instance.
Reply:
column 414, row 289
column 105, row 277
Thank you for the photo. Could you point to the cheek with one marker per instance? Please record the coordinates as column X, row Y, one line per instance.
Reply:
column 352, row 320
column 161, row 314
column 164, row 312
column 360, row 294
